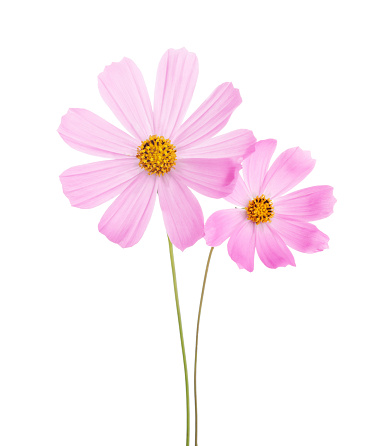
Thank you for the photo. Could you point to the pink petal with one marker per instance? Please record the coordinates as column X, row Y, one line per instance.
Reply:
column 300, row 235
column 238, row 144
column 241, row 246
column 271, row 248
column 123, row 89
column 87, row 132
column 241, row 195
column 92, row 184
column 291, row 167
column 256, row 165
column 126, row 219
column 209, row 118
column 222, row 224
column 183, row 216
column 214, row 178
column 312, row 203
column 176, row 79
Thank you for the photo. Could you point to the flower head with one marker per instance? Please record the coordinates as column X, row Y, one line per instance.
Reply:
column 267, row 218
column 162, row 154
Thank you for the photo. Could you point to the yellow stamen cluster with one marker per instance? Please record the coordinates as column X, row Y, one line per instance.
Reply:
column 260, row 210
column 157, row 155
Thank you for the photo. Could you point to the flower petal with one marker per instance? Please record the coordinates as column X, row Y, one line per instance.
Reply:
column 300, row 235
column 312, row 203
column 271, row 248
column 214, row 178
column 238, row 144
column 209, row 118
column 241, row 246
column 126, row 219
column 241, row 195
column 85, row 131
column 291, row 167
column 92, row 184
column 256, row 165
column 222, row 224
column 176, row 79
column 123, row 89
column 183, row 216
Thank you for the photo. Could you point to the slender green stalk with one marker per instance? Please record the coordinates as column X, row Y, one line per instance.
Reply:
column 181, row 335
column 196, row 346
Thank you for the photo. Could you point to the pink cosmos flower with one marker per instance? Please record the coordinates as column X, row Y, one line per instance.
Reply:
column 268, row 220
column 162, row 155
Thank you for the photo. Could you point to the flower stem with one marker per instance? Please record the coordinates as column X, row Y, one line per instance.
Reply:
column 181, row 334
column 196, row 346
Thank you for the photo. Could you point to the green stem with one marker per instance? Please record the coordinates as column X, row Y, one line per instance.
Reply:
column 196, row 346
column 181, row 334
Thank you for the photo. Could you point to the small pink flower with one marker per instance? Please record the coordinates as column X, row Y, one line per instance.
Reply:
column 270, row 220
column 164, row 155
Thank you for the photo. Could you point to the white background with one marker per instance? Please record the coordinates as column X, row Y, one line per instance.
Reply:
column 89, row 344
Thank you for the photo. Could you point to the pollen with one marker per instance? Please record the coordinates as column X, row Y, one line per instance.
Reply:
column 260, row 210
column 157, row 155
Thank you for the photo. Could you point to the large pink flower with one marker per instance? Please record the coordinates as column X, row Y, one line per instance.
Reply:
column 162, row 155
column 268, row 220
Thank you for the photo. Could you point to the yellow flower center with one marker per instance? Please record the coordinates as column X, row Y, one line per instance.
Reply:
column 157, row 155
column 260, row 210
